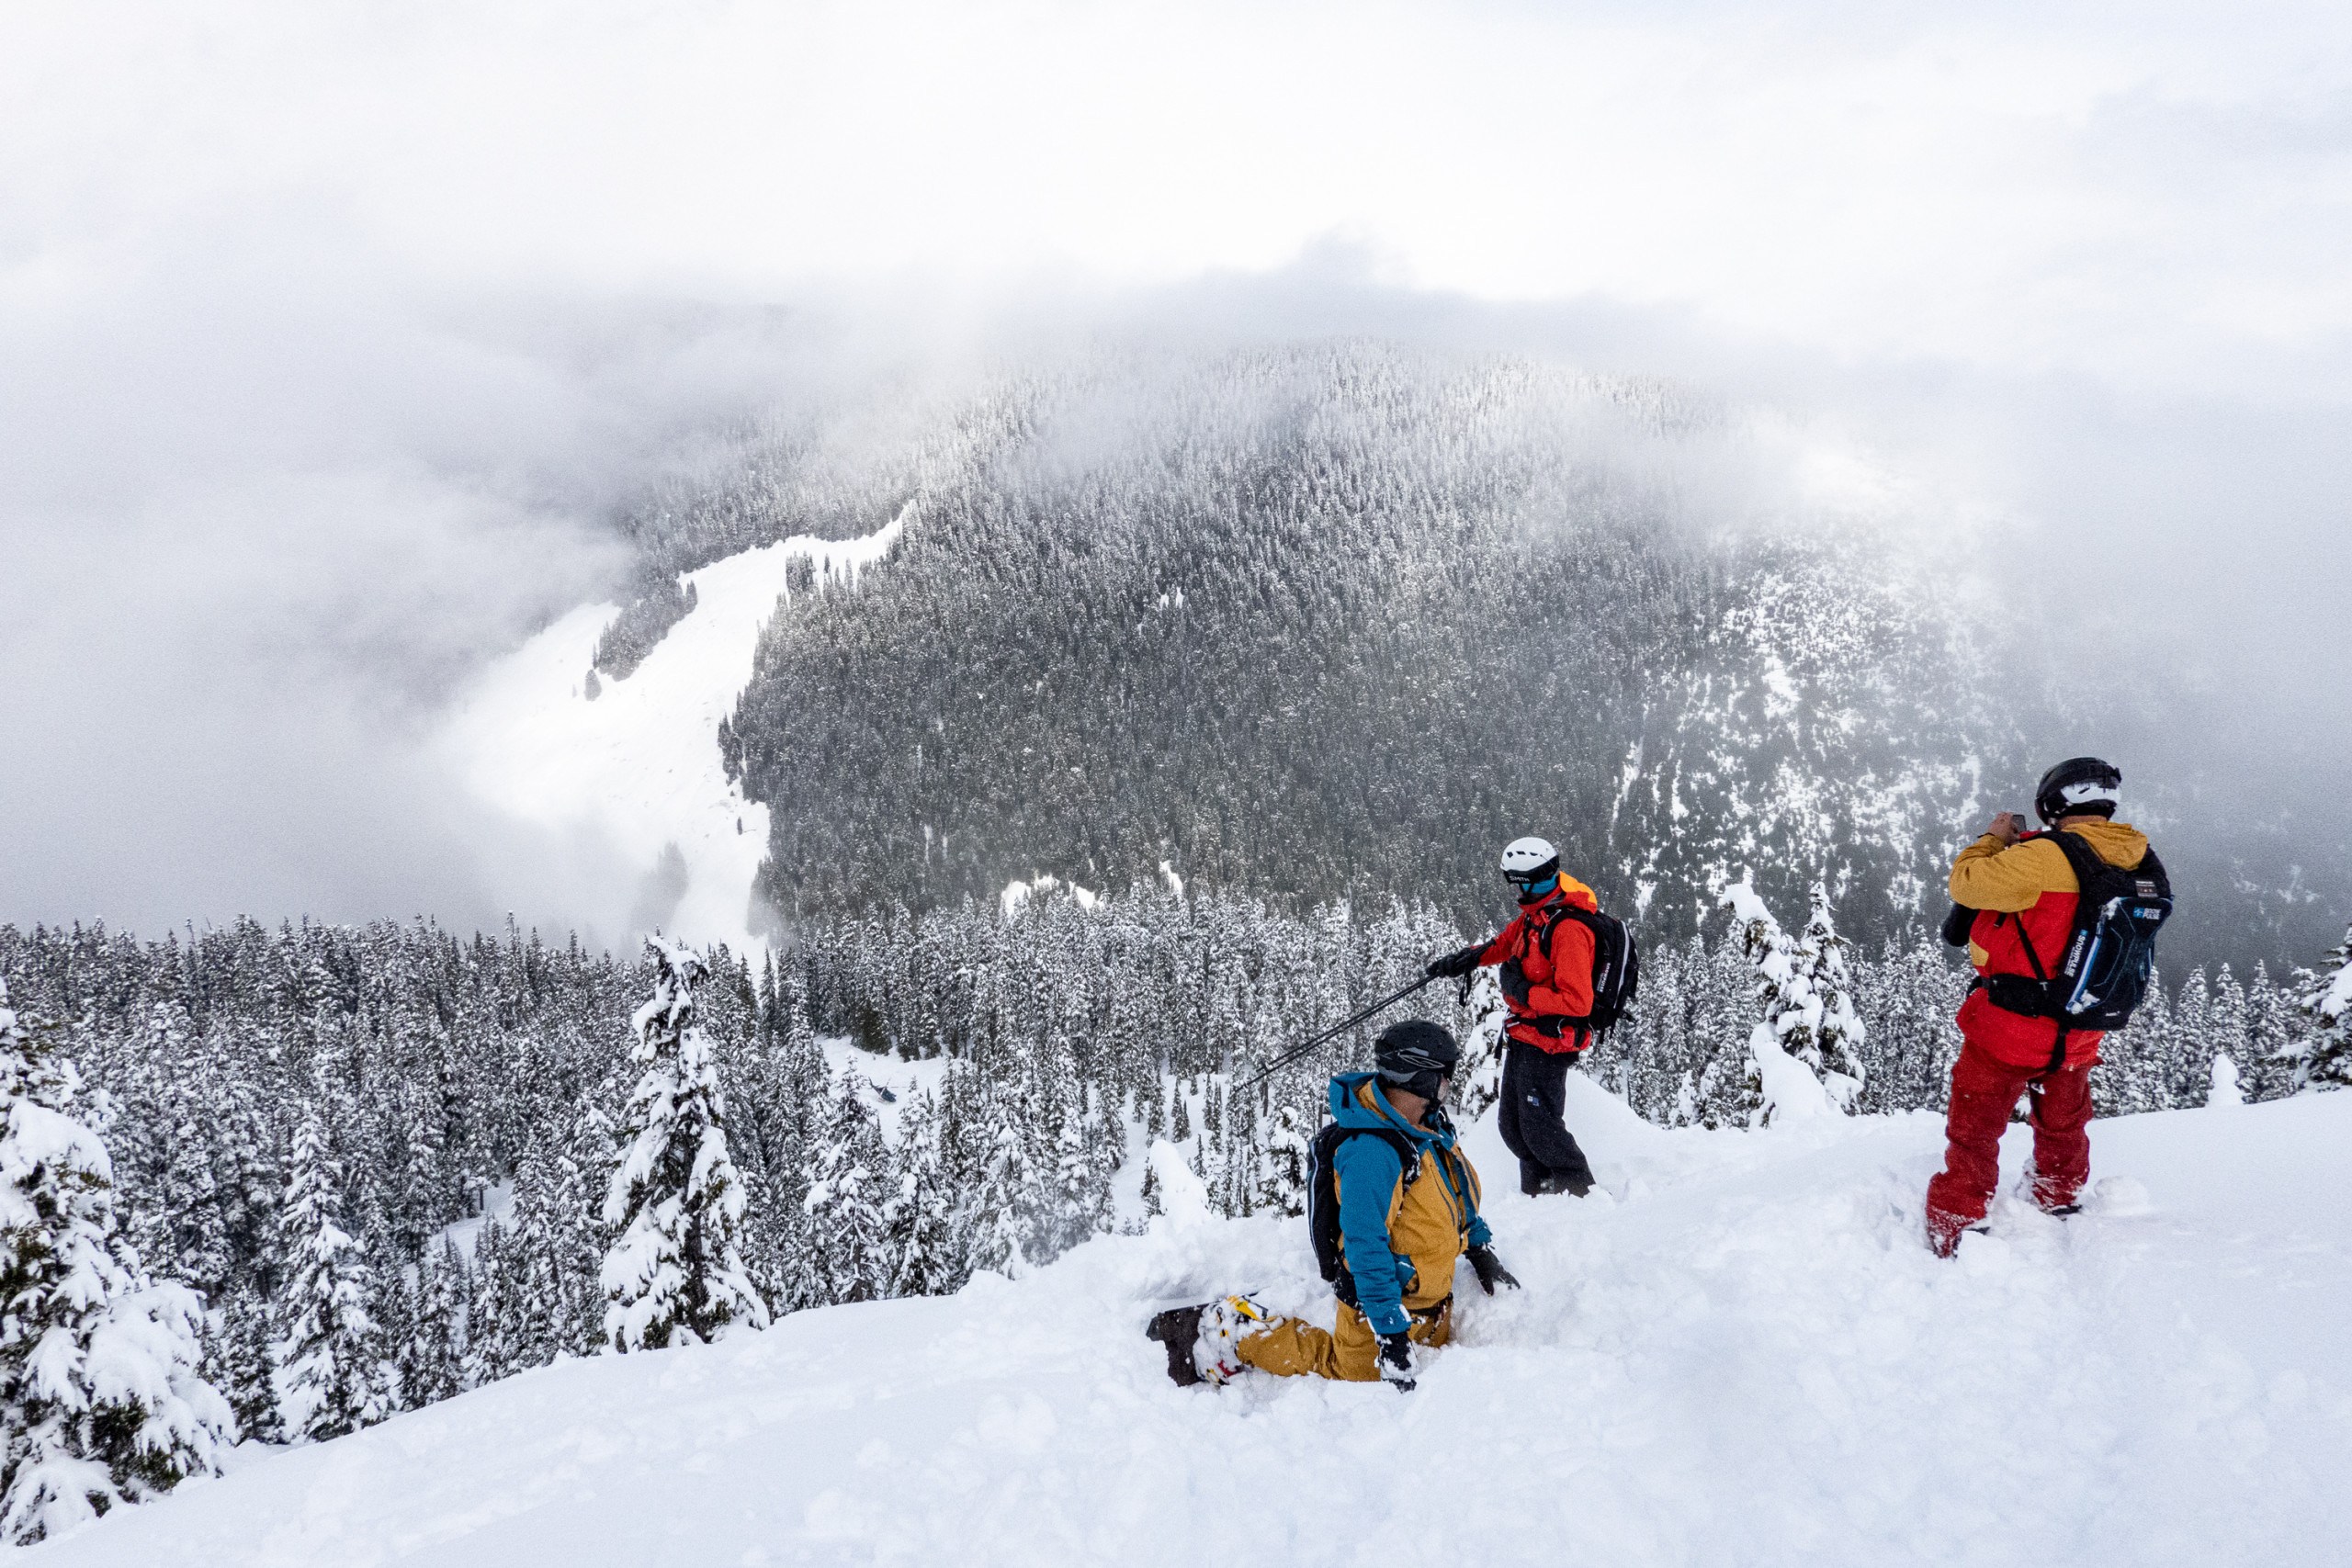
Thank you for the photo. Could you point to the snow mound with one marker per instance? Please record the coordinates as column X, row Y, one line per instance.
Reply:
column 637, row 767
column 1738, row 1354
column 2119, row 1195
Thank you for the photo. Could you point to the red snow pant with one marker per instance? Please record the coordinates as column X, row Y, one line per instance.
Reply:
column 1983, row 1092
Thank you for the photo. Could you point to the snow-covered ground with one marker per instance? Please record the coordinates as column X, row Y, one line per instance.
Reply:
column 898, row 1079
column 638, row 766
column 1741, row 1356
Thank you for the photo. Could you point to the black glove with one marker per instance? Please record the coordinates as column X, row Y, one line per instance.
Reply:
column 1454, row 965
column 1958, row 924
column 1490, row 1270
column 1515, row 985
column 1396, row 1361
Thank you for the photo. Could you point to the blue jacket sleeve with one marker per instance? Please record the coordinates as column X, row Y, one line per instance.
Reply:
column 1368, row 1171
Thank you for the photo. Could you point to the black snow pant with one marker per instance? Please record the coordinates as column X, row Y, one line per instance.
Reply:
column 1534, row 1094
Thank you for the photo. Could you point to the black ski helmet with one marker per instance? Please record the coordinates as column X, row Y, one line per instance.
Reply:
column 1414, row 1055
column 2079, row 786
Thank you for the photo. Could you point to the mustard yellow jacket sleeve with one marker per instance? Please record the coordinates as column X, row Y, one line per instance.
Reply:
column 2007, row 880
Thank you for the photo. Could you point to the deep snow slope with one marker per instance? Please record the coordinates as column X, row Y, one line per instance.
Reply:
column 1741, row 1356
column 638, row 766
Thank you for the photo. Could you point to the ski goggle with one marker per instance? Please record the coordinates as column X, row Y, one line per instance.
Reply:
column 1528, row 881
column 1431, row 1082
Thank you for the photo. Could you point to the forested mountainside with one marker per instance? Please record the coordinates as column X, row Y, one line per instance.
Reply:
column 831, row 471
column 1326, row 620
column 1315, row 621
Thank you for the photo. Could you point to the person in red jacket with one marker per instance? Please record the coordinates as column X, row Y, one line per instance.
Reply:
column 1546, row 963
column 2023, row 891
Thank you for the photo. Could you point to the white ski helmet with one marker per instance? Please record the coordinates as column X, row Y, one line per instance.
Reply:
column 1529, row 859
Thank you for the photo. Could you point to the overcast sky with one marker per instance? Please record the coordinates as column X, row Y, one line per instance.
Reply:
column 327, row 331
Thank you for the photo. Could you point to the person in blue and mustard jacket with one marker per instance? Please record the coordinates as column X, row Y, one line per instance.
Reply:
column 1408, row 1211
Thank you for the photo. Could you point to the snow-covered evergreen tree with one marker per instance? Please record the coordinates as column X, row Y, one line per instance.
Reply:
column 1480, row 1082
column 394, row 1308
column 1821, row 1027
column 2182, row 1062
column 432, row 1361
column 1778, row 1084
column 2226, row 1036
column 925, row 1247
column 998, row 1230
column 675, row 1272
column 1726, row 1090
column 100, row 1400
column 2322, row 1058
column 1068, row 1199
column 1237, row 1193
column 1282, row 1170
column 1908, row 1001
column 2271, row 1033
column 849, row 1199
column 550, row 1257
column 246, row 1367
column 333, row 1383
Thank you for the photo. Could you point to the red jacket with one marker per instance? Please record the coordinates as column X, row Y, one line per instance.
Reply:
column 1557, row 986
column 2025, row 892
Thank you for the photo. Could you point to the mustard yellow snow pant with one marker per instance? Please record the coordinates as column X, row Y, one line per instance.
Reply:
column 1293, row 1347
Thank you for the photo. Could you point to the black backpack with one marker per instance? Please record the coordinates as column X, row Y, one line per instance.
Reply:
column 1323, row 1196
column 2110, row 950
column 1616, row 966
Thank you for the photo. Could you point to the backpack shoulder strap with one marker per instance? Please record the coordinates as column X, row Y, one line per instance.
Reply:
column 1564, row 911
column 1327, row 1137
column 2025, row 937
column 1409, row 1153
column 1591, row 920
column 2088, row 866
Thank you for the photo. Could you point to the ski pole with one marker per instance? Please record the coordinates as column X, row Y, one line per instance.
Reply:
column 1303, row 1046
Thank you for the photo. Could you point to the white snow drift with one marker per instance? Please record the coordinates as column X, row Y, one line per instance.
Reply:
column 637, row 765
column 1740, row 1356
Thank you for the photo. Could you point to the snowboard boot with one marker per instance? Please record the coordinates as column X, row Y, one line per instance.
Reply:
column 1567, row 1181
column 2059, row 1202
column 1201, row 1340
column 1178, row 1329
column 1943, row 1237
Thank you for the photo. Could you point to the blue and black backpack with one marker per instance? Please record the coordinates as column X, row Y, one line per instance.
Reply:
column 2110, row 951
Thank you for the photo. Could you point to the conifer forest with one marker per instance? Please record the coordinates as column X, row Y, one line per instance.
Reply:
column 385, row 1164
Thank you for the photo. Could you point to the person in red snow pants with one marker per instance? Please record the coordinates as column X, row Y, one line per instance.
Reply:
column 1985, row 1092
column 2017, row 891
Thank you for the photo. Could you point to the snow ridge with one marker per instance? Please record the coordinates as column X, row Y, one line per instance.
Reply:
column 1736, row 1354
